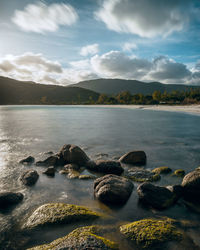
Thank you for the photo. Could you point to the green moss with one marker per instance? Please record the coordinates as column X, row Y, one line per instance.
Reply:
column 179, row 173
column 81, row 237
column 162, row 170
column 149, row 232
column 58, row 213
column 155, row 177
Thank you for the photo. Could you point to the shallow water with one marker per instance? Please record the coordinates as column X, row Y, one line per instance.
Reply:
column 168, row 138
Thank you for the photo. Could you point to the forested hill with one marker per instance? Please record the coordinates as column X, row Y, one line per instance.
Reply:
column 18, row 92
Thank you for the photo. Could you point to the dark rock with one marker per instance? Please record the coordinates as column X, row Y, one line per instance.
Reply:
column 50, row 171
column 49, row 153
column 191, row 186
column 134, row 158
column 107, row 167
column 157, row 197
column 29, row 177
column 53, row 160
column 28, row 160
column 73, row 154
column 10, row 198
column 112, row 189
column 143, row 175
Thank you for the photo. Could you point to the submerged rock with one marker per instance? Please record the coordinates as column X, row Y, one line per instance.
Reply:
column 59, row 213
column 28, row 160
column 143, row 175
column 53, row 160
column 50, row 171
column 112, row 189
column 151, row 233
column 29, row 177
column 157, row 197
column 179, row 173
column 10, row 198
column 81, row 238
column 191, row 186
column 134, row 158
column 107, row 167
column 162, row 170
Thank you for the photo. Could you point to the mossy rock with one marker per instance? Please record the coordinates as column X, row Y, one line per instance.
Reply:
column 143, row 176
column 81, row 238
column 59, row 213
column 86, row 177
column 162, row 170
column 150, row 233
column 179, row 173
column 72, row 174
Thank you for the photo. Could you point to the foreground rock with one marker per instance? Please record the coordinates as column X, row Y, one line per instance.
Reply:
column 50, row 171
column 81, row 238
column 162, row 170
column 143, row 175
column 134, row 158
column 191, row 186
column 28, row 160
column 107, row 167
column 29, row 177
column 10, row 198
column 112, row 189
column 151, row 233
column 59, row 213
column 158, row 197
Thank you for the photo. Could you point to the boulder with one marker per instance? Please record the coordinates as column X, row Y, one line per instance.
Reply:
column 156, row 196
column 191, row 186
column 179, row 173
column 143, row 175
column 59, row 213
column 134, row 158
column 89, row 237
column 50, row 171
column 27, row 160
column 10, row 198
column 53, row 160
column 151, row 233
column 71, row 167
column 113, row 189
column 73, row 154
column 104, row 166
column 29, row 177
column 162, row 170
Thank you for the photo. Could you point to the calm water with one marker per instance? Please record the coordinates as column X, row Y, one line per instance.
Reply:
column 168, row 138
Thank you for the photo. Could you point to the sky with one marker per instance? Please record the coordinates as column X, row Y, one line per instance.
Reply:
column 67, row 41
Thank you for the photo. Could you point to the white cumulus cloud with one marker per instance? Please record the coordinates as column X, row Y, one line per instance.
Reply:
column 41, row 18
column 129, row 46
column 89, row 50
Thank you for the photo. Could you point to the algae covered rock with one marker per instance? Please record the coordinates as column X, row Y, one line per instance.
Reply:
column 162, row 170
column 81, row 238
column 113, row 189
column 105, row 166
column 143, row 175
column 86, row 177
column 151, row 233
column 179, row 173
column 134, row 158
column 59, row 213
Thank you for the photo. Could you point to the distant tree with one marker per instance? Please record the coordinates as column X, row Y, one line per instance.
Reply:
column 103, row 98
column 156, row 95
column 124, row 97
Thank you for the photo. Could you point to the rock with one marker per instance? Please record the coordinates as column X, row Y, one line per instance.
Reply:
column 72, row 174
column 191, row 186
column 151, row 233
column 73, row 154
column 49, row 153
column 10, row 198
column 72, row 167
column 162, row 170
column 134, row 158
column 89, row 237
column 29, row 177
column 155, row 196
column 53, row 160
column 179, row 173
column 59, row 213
column 112, row 189
column 63, row 171
column 143, row 175
column 50, row 171
column 107, row 167
column 28, row 160
column 86, row 177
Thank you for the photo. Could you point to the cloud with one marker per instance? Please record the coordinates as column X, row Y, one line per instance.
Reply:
column 146, row 18
column 41, row 18
column 89, row 50
column 129, row 46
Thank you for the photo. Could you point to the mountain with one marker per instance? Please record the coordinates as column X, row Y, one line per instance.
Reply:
column 115, row 86
column 18, row 92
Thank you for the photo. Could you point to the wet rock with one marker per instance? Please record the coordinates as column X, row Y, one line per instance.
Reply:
column 156, row 196
column 72, row 174
column 143, row 175
column 151, row 233
column 179, row 173
column 191, row 186
column 49, row 153
column 112, row 189
column 64, row 172
column 73, row 154
column 29, row 177
column 107, row 167
column 59, row 213
column 10, row 198
column 82, row 238
column 28, row 160
column 134, row 158
column 86, row 177
column 71, row 167
column 50, row 171
column 53, row 160
column 162, row 170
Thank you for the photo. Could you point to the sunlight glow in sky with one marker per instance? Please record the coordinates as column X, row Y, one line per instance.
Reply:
column 64, row 42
